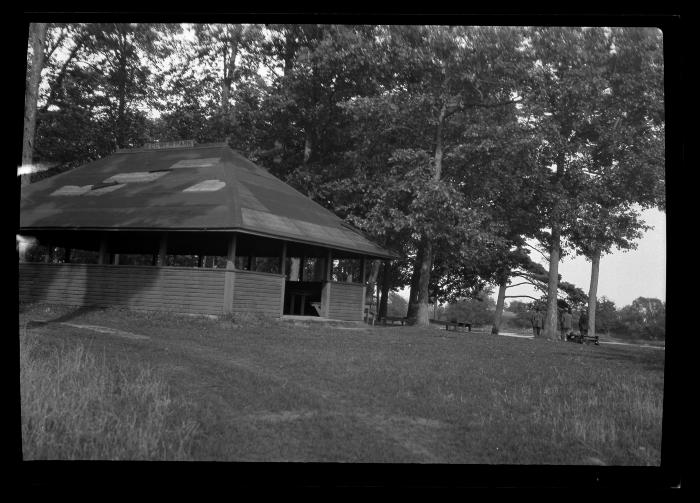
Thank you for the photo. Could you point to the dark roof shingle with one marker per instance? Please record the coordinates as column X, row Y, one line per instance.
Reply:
column 202, row 187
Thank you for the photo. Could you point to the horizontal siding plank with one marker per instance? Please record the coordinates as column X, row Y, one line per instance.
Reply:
column 141, row 291
column 243, row 286
column 187, row 308
column 137, row 293
column 253, row 289
column 256, row 294
column 120, row 294
column 80, row 299
column 170, row 289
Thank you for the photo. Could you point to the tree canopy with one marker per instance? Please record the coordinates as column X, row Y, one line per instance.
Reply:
column 456, row 146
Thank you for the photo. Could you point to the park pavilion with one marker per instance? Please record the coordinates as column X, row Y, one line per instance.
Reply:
column 188, row 228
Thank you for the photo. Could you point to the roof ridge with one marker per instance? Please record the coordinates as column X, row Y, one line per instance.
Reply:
column 140, row 150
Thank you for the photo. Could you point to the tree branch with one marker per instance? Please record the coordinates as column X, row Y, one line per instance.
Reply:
column 519, row 296
column 53, row 48
column 518, row 284
column 61, row 75
column 538, row 251
column 461, row 107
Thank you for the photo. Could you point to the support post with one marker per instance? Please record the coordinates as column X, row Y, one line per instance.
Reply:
column 363, row 269
column 115, row 258
column 162, row 249
column 199, row 260
column 283, row 272
column 47, row 257
column 363, row 303
column 66, row 255
column 283, row 259
column 326, row 292
column 328, row 273
column 229, row 280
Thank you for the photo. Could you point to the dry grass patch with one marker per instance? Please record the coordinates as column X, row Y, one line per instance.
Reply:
column 75, row 406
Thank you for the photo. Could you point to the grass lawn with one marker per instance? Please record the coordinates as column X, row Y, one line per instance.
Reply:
column 271, row 391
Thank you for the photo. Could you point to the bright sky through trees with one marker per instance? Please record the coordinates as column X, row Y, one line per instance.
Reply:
column 624, row 276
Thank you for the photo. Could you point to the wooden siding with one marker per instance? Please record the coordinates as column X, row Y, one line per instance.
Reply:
column 187, row 290
column 346, row 301
column 258, row 292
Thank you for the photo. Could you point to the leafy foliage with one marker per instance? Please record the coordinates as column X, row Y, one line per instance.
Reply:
column 455, row 146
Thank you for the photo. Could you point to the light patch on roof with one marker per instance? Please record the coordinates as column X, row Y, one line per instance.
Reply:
column 104, row 190
column 137, row 176
column 71, row 190
column 195, row 163
column 206, row 186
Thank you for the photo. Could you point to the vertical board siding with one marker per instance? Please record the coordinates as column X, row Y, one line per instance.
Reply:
column 346, row 301
column 195, row 291
column 260, row 293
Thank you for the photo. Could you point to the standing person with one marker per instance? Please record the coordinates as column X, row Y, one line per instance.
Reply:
column 583, row 323
column 537, row 320
column 566, row 324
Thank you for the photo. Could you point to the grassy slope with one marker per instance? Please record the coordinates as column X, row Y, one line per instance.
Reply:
column 272, row 392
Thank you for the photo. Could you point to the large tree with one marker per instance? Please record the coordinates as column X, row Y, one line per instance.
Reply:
column 101, row 84
column 579, row 83
column 448, row 84
column 37, row 37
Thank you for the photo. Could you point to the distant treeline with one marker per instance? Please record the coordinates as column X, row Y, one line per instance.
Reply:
column 645, row 318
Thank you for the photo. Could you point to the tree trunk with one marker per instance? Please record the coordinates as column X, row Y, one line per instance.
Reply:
column 319, row 269
column 372, row 280
column 412, row 311
column 38, row 38
column 307, row 147
column 121, row 105
column 550, row 328
column 58, row 83
column 374, row 272
column 551, row 320
column 498, row 315
column 593, row 291
column 230, row 67
column 421, row 311
column 386, row 286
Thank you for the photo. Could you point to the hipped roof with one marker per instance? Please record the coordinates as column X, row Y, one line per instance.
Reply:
column 204, row 187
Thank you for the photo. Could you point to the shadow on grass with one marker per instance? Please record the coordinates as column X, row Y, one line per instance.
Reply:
column 76, row 312
column 649, row 358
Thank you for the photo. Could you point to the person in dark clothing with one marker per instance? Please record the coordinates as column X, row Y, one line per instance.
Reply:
column 566, row 324
column 537, row 321
column 583, row 323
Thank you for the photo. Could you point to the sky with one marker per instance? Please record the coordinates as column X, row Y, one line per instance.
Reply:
column 624, row 276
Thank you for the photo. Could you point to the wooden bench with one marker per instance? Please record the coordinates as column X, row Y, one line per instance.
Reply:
column 394, row 319
column 453, row 323
column 581, row 338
